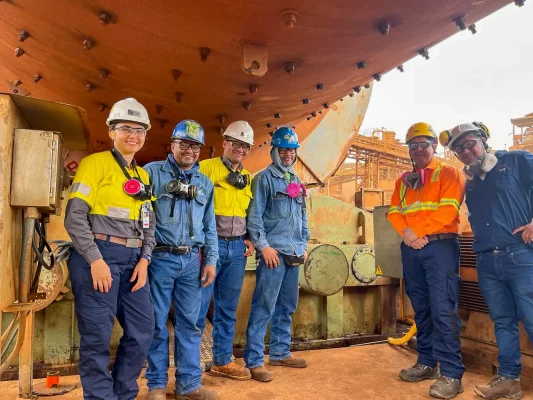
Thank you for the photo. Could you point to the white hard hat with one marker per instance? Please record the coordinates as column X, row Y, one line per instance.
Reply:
column 129, row 110
column 240, row 130
column 447, row 138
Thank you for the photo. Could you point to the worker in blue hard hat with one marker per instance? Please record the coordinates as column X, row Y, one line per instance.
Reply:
column 277, row 226
column 185, row 233
column 111, row 223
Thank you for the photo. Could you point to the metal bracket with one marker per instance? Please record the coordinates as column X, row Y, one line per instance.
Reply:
column 37, row 296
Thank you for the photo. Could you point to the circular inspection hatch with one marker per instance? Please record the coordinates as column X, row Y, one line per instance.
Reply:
column 364, row 265
column 325, row 271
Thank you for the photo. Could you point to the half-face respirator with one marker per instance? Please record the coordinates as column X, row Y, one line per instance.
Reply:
column 294, row 190
column 414, row 179
column 238, row 180
column 182, row 190
column 133, row 187
column 136, row 188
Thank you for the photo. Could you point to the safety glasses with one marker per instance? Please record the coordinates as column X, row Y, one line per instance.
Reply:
column 237, row 145
column 186, row 146
column 128, row 130
column 287, row 151
column 466, row 145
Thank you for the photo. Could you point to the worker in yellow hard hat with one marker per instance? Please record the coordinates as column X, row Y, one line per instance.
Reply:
column 499, row 199
column 425, row 212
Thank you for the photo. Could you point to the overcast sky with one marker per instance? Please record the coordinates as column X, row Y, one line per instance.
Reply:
column 484, row 77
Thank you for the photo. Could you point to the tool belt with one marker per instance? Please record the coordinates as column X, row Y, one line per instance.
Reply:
column 230, row 238
column 133, row 243
column 179, row 250
column 292, row 261
column 442, row 236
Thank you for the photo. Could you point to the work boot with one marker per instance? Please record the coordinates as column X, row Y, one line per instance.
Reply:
column 199, row 394
column 498, row 387
column 290, row 361
column 157, row 394
column 419, row 372
column 261, row 374
column 232, row 371
column 446, row 388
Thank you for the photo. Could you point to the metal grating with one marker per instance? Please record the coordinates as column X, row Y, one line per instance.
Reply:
column 470, row 297
column 206, row 346
column 467, row 258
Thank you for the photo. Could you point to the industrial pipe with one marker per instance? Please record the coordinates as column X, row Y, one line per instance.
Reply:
column 31, row 214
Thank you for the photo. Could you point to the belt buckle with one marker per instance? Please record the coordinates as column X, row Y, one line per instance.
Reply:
column 132, row 243
column 184, row 249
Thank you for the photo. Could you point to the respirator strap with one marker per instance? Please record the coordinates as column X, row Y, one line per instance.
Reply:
column 122, row 165
column 191, row 230
column 172, row 205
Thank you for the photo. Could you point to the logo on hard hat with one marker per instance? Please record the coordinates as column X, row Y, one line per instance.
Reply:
column 192, row 130
column 134, row 113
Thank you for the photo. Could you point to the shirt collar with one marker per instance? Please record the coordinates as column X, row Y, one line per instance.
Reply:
column 433, row 164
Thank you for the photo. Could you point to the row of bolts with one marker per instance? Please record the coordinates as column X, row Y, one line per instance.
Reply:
column 289, row 16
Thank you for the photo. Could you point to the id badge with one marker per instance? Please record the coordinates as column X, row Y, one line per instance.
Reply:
column 146, row 215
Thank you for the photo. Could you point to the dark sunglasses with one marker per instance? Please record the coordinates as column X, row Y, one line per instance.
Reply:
column 422, row 145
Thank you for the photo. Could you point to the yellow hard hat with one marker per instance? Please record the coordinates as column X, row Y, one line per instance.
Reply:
column 421, row 129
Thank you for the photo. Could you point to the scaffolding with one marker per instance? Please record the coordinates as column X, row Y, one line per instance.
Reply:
column 523, row 139
column 375, row 160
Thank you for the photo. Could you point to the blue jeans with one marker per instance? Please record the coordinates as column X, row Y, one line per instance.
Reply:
column 275, row 300
column 176, row 278
column 227, row 290
column 432, row 283
column 96, row 313
column 506, row 282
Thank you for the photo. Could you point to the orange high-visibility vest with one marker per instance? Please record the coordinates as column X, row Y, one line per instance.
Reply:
column 432, row 209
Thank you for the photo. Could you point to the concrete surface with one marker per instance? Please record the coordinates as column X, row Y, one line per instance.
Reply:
column 363, row 372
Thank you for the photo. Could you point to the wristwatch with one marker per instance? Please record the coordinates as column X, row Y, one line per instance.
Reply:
column 147, row 257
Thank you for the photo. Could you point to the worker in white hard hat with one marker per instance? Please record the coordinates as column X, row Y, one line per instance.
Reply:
column 111, row 223
column 232, row 197
column 499, row 200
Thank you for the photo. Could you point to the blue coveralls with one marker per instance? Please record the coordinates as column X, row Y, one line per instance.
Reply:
column 498, row 205
column 177, row 277
column 278, row 221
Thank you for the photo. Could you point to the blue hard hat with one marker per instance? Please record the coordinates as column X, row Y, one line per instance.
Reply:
column 285, row 138
column 189, row 129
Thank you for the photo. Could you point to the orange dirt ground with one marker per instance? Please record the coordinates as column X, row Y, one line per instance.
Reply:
column 362, row 373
